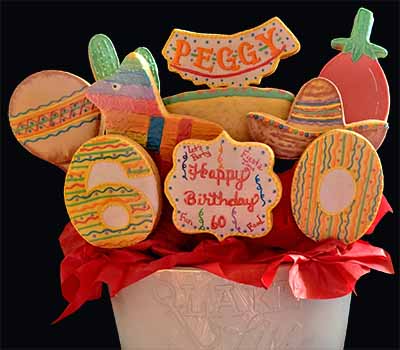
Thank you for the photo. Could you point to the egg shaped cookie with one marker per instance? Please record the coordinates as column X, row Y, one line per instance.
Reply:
column 51, row 117
column 337, row 187
column 112, row 192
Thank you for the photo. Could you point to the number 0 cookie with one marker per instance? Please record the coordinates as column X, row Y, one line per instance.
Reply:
column 112, row 192
column 337, row 187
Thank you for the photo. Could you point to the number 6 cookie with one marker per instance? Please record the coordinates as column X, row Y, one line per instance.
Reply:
column 337, row 187
column 112, row 192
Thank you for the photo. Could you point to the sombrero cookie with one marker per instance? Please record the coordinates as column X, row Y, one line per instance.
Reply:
column 316, row 109
column 51, row 117
column 229, row 106
column 337, row 187
column 131, row 105
column 112, row 192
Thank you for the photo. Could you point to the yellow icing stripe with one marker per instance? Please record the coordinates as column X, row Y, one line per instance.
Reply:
column 317, row 108
column 311, row 117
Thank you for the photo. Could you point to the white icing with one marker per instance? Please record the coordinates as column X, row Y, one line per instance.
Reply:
column 337, row 190
column 108, row 172
column 227, row 196
column 116, row 216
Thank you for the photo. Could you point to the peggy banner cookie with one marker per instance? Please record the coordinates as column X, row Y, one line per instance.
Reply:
column 223, row 187
column 337, row 187
column 112, row 192
column 239, row 59
column 51, row 117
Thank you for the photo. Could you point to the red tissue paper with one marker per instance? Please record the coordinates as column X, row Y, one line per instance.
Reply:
column 319, row 270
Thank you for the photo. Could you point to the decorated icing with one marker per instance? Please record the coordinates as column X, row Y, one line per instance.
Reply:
column 51, row 117
column 229, row 92
column 112, row 192
column 146, row 54
column 103, row 58
column 316, row 109
column 230, row 60
column 132, row 106
column 223, row 187
column 337, row 187
column 357, row 73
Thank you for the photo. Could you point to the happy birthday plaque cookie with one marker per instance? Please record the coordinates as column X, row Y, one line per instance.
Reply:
column 223, row 187
column 337, row 187
column 239, row 59
column 51, row 117
column 112, row 192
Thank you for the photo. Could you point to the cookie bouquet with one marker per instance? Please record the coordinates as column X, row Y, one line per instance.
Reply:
column 174, row 203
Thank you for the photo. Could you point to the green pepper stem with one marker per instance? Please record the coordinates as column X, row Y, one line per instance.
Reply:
column 359, row 44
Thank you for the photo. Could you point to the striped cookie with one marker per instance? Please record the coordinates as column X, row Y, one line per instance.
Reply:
column 112, row 192
column 337, row 187
column 51, row 117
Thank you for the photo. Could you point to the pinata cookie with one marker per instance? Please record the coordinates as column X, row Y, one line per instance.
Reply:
column 337, row 187
column 131, row 105
column 223, row 187
column 112, row 192
column 51, row 117
column 229, row 106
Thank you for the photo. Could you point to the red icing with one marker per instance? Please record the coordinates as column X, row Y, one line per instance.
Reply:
column 362, row 85
column 325, row 269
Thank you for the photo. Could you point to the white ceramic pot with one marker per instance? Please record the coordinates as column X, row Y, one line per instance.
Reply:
column 187, row 308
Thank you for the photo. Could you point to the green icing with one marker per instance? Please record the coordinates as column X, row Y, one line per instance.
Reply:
column 229, row 92
column 359, row 42
column 102, row 56
column 146, row 54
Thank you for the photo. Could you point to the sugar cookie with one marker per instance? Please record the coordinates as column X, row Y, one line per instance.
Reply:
column 223, row 187
column 337, row 187
column 112, row 192
column 103, row 58
column 51, row 117
column 131, row 105
column 239, row 59
column 316, row 109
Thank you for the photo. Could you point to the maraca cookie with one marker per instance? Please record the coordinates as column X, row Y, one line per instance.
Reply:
column 51, row 117
column 337, row 187
column 112, row 192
